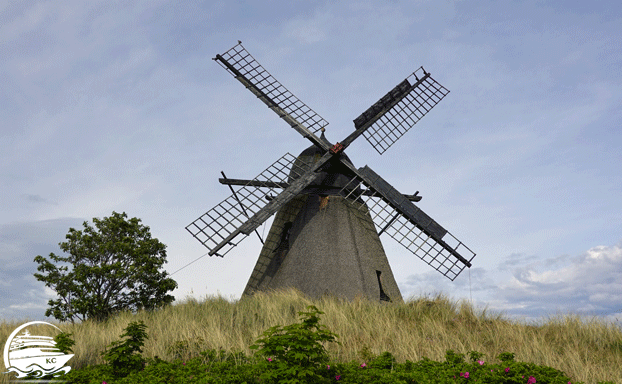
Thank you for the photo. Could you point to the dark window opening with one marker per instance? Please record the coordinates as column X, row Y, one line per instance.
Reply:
column 383, row 295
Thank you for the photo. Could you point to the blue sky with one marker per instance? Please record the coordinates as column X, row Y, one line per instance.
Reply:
column 117, row 106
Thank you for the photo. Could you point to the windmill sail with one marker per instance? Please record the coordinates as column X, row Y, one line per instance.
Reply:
column 260, row 82
column 407, row 224
column 214, row 228
column 399, row 110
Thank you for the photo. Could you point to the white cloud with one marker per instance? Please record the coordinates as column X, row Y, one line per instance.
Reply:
column 27, row 21
column 28, row 306
column 311, row 30
column 587, row 284
column 98, row 198
column 49, row 292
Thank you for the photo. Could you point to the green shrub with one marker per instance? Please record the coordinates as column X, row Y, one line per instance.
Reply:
column 90, row 374
column 454, row 359
column 384, row 361
column 294, row 353
column 64, row 342
column 125, row 356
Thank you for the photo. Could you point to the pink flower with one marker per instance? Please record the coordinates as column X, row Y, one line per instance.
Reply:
column 507, row 370
column 532, row 380
column 328, row 367
column 337, row 377
column 269, row 359
column 491, row 370
column 363, row 365
column 480, row 362
column 465, row 375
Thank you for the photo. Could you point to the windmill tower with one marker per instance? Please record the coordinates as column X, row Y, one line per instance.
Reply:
column 329, row 214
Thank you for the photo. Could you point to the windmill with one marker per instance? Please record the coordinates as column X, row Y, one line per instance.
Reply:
column 329, row 214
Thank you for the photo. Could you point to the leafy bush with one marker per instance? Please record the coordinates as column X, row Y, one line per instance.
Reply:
column 384, row 361
column 125, row 356
column 64, row 342
column 294, row 353
column 96, row 374
column 454, row 359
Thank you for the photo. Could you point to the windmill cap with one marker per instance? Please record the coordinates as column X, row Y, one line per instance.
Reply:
column 330, row 181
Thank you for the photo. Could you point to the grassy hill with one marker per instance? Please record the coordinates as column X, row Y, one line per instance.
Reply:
column 587, row 351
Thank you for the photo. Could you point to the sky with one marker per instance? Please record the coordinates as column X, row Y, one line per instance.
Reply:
column 118, row 106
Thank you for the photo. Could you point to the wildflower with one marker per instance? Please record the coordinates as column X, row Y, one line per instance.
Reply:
column 328, row 367
column 337, row 377
column 465, row 375
column 532, row 380
column 491, row 370
column 480, row 362
column 507, row 370
column 269, row 359
column 363, row 365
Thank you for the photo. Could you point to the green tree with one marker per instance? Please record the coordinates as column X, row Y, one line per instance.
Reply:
column 125, row 356
column 114, row 267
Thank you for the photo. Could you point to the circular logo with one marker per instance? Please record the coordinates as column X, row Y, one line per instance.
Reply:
column 28, row 353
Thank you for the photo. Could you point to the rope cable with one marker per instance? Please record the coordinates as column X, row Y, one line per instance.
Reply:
column 200, row 257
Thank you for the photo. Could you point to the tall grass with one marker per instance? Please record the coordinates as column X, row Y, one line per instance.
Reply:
column 428, row 326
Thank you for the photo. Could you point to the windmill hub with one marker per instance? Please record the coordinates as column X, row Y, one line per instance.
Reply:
column 331, row 178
